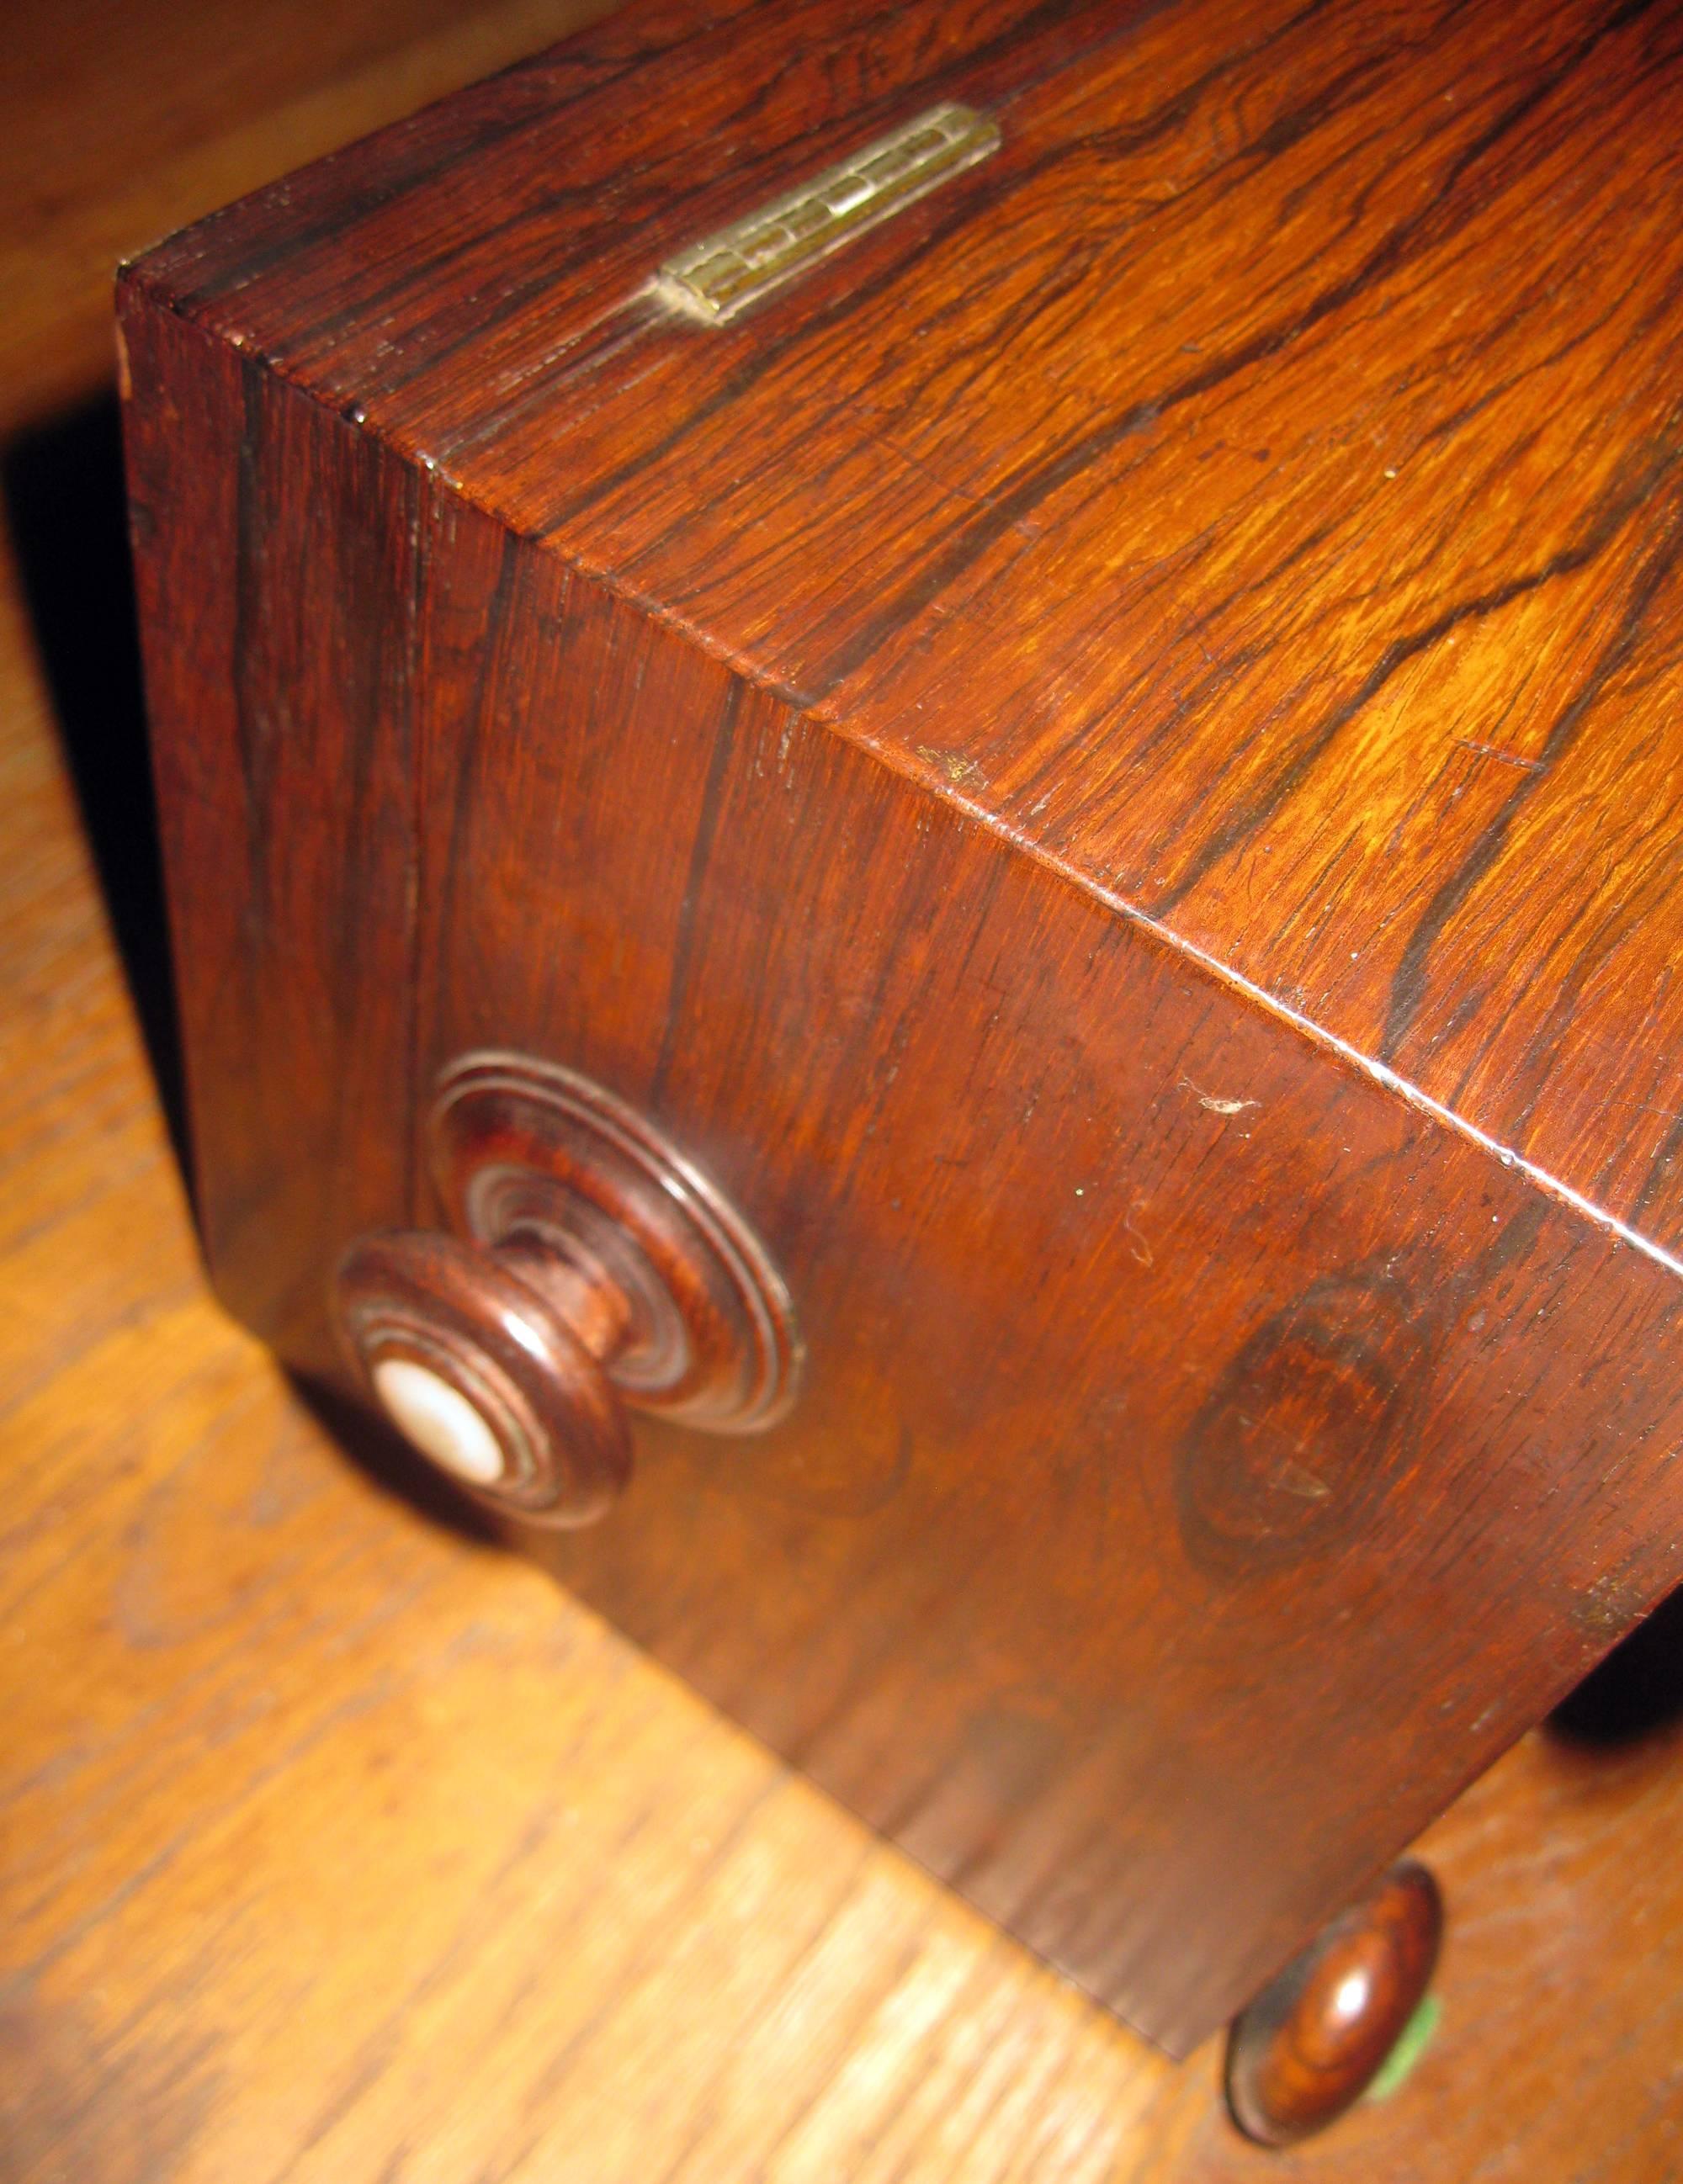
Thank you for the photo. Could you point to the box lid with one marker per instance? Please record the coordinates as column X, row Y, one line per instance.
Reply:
column 1255, row 489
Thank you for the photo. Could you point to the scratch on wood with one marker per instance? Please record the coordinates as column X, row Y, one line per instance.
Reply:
column 1507, row 757
column 1218, row 1106
column 954, row 764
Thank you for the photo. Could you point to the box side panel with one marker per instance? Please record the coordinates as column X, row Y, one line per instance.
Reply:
column 1208, row 1462
column 276, row 555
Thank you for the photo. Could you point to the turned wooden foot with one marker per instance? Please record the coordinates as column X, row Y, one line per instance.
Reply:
column 1317, row 2035
column 586, row 1267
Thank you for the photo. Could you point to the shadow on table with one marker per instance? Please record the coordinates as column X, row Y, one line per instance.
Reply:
column 1637, row 1692
column 66, row 508
column 394, row 1466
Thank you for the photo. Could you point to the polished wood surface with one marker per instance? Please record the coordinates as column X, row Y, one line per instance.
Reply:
column 1318, row 2035
column 332, row 1844
column 1336, row 472
column 1213, row 1453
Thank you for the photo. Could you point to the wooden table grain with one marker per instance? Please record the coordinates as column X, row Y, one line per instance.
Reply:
column 336, row 1844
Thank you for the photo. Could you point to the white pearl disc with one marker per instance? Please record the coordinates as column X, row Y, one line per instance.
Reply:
column 439, row 1419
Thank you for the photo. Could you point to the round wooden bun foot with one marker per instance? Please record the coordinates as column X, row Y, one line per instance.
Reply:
column 585, row 1267
column 1317, row 2035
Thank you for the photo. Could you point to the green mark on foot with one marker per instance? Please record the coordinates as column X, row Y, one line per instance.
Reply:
column 1412, row 2043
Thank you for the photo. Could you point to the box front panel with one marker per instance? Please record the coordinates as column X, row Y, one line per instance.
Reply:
column 1204, row 1465
column 1206, row 1461
column 276, row 554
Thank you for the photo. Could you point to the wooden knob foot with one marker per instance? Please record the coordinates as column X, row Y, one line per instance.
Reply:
column 485, row 1375
column 591, row 1267
column 1317, row 2037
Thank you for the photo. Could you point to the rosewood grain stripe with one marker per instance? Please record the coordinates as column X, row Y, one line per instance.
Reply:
column 609, row 205
column 455, row 866
column 1137, row 420
column 589, row 244
column 770, row 356
column 1464, row 119
column 255, row 737
column 706, row 824
column 1570, row 980
column 1017, row 501
column 1604, row 529
column 1659, row 1170
column 1006, row 178
column 530, row 79
column 1007, row 182
column 1408, row 989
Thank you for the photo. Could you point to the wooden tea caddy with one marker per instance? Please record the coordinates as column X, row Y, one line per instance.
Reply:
column 939, row 745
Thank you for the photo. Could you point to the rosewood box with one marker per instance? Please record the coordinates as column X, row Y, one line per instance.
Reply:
column 921, row 777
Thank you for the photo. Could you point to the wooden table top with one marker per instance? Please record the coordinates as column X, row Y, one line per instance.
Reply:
column 332, row 1845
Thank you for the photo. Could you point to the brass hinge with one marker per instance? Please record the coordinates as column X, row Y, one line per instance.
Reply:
column 723, row 274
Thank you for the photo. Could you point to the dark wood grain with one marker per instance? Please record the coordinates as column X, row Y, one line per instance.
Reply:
column 1099, row 1279
column 1370, row 335
column 948, row 751
column 283, row 579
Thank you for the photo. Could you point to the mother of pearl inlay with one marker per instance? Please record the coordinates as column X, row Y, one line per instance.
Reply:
column 439, row 1419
